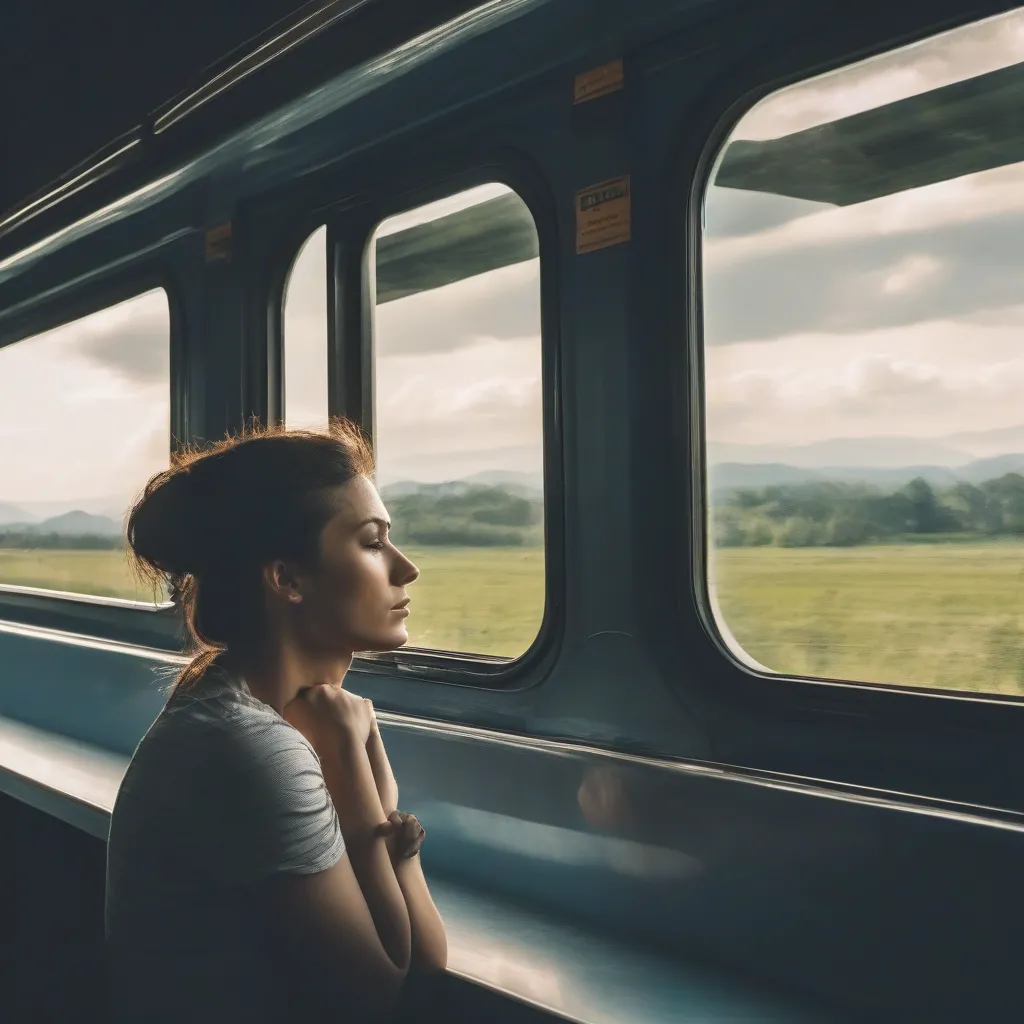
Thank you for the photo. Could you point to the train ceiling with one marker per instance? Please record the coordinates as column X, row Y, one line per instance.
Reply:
column 73, row 77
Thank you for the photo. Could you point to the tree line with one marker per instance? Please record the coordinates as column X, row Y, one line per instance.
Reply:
column 469, row 517
column 475, row 517
column 58, row 541
column 831, row 514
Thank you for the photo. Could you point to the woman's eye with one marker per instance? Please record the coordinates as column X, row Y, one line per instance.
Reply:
column 377, row 545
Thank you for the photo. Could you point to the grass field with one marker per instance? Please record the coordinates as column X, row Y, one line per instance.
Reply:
column 945, row 615
column 103, row 573
column 475, row 600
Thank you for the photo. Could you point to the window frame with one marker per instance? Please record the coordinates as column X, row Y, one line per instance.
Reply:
column 133, row 622
column 697, row 143
column 351, row 223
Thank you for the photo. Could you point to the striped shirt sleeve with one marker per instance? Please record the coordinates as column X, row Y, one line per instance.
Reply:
column 263, row 808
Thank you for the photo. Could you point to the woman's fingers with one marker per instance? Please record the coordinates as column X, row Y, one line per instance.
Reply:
column 413, row 834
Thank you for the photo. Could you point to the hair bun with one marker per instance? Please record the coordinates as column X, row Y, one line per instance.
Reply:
column 164, row 526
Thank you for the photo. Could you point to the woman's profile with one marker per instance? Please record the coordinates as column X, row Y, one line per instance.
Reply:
column 258, row 866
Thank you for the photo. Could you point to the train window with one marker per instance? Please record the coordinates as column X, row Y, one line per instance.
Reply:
column 458, row 422
column 862, row 317
column 305, row 335
column 84, row 421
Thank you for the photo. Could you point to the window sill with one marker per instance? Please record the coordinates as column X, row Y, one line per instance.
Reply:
column 533, row 959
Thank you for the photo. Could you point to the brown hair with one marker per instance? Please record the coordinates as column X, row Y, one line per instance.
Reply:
column 206, row 526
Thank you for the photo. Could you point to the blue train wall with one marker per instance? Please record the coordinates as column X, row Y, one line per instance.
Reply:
column 850, row 851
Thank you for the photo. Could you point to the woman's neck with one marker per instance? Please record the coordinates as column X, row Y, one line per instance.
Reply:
column 277, row 677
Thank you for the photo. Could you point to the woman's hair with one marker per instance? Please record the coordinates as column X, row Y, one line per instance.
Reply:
column 206, row 526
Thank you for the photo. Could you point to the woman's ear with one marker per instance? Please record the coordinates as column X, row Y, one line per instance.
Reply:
column 282, row 581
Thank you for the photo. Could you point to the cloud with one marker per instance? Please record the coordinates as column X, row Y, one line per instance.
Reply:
column 730, row 212
column 931, row 64
column 439, row 415
column 947, row 251
column 82, row 429
column 131, row 338
column 899, row 317
column 927, row 380
column 502, row 304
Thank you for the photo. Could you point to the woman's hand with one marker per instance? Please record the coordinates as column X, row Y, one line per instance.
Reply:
column 404, row 835
column 327, row 715
column 383, row 776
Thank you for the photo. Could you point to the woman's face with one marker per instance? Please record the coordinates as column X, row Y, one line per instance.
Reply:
column 354, row 598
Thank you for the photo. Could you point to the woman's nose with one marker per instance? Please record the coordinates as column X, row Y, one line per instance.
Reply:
column 406, row 572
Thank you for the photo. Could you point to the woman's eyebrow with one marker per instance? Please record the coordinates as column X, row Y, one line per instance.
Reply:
column 379, row 520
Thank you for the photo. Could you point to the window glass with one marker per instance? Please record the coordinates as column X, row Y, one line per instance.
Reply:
column 84, row 422
column 305, row 336
column 458, row 423
column 863, row 315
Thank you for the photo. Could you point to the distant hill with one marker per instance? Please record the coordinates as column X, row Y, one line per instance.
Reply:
column 529, row 485
column 80, row 523
column 526, row 485
column 406, row 488
column 949, row 452
column 12, row 514
column 986, row 443
column 987, row 469
column 847, row 452
column 731, row 476
column 70, row 524
column 109, row 506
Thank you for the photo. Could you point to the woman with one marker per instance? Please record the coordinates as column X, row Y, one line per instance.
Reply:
column 258, row 867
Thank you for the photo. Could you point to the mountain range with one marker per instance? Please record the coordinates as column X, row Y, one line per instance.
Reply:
column 70, row 524
column 949, row 451
column 102, row 519
column 880, row 462
column 526, row 485
column 728, row 476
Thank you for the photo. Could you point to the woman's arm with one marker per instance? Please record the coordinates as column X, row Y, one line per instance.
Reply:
column 344, row 933
column 353, row 790
column 429, row 941
column 387, row 787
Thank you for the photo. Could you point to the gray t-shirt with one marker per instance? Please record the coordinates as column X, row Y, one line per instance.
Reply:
column 221, row 792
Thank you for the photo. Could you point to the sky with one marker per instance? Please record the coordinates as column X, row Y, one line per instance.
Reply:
column 85, row 409
column 901, row 317
column 457, row 369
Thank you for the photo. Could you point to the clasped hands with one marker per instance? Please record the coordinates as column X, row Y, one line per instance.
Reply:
column 325, row 712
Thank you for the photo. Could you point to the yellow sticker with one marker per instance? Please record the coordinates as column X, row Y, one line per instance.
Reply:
column 602, row 215
column 218, row 242
column 598, row 81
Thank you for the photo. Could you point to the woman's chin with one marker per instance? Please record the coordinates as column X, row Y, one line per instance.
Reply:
column 390, row 643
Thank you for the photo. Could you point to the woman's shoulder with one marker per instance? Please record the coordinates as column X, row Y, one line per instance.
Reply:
column 215, row 702
column 213, row 749
column 218, row 719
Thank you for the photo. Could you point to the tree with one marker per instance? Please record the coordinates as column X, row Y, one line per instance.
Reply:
column 847, row 529
column 799, row 532
column 926, row 514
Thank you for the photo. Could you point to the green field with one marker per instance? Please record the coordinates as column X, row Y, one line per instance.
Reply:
column 945, row 615
column 103, row 573
column 475, row 600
